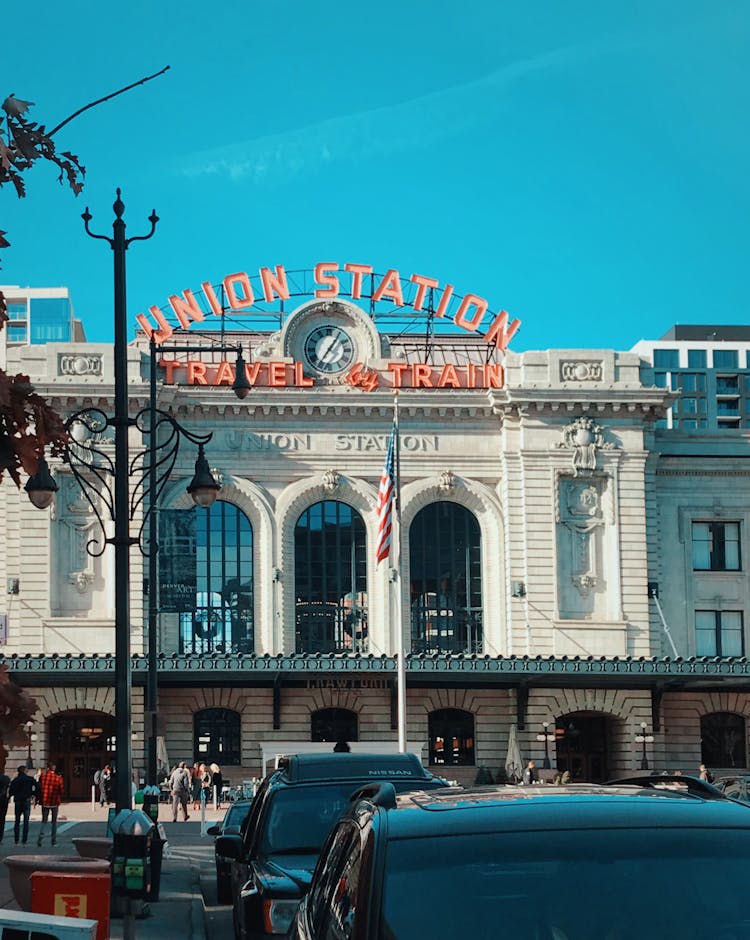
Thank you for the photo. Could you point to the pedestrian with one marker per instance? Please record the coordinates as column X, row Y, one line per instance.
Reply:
column 105, row 785
column 23, row 789
column 179, row 786
column 705, row 774
column 530, row 775
column 195, row 786
column 4, row 800
column 50, row 796
column 205, row 778
column 217, row 782
column 565, row 779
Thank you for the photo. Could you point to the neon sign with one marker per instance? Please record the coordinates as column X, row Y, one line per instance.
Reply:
column 331, row 280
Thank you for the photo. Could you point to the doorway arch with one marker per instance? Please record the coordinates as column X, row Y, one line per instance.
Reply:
column 80, row 743
column 584, row 745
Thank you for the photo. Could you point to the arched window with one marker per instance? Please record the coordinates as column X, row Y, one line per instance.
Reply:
column 446, row 580
column 333, row 724
column 206, row 573
column 451, row 732
column 330, row 579
column 216, row 736
column 723, row 740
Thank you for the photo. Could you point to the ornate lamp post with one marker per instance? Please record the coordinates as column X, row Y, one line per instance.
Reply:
column 644, row 739
column 31, row 738
column 546, row 737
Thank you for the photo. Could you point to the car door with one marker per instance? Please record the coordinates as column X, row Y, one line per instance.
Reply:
column 340, row 896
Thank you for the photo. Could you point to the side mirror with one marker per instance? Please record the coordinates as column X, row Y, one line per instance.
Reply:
column 214, row 830
column 229, row 847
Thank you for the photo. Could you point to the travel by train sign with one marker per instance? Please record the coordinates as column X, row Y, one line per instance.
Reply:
column 241, row 292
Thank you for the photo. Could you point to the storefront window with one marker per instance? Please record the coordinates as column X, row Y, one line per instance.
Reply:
column 723, row 740
column 216, row 737
column 334, row 724
column 451, row 732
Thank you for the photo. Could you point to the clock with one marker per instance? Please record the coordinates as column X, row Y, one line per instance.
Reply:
column 329, row 349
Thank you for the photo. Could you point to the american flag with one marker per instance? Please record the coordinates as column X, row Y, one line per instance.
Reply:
column 385, row 500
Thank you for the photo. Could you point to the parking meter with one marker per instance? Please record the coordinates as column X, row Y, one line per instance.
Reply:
column 132, row 832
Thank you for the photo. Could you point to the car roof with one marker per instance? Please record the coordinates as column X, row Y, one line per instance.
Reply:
column 547, row 808
column 308, row 768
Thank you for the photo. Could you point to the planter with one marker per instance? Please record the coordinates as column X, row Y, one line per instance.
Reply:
column 21, row 868
column 93, row 846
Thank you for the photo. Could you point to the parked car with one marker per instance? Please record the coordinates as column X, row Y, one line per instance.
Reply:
column 231, row 824
column 736, row 787
column 580, row 862
column 293, row 811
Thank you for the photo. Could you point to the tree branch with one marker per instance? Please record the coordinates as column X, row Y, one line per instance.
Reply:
column 105, row 98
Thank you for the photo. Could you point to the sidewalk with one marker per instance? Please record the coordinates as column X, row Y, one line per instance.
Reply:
column 180, row 913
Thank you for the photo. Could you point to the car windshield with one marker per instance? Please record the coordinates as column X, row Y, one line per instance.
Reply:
column 236, row 815
column 590, row 885
column 300, row 819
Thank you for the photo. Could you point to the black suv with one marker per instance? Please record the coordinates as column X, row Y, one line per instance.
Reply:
column 652, row 858
column 274, row 856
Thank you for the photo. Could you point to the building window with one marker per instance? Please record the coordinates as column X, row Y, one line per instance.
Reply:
column 330, row 578
column 446, row 580
column 723, row 740
column 666, row 359
column 216, row 737
column 696, row 358
column 210, row 552
column 725, row 359
column 451, row 732
column 719, row 633
column 716, row 546
column 334, row 724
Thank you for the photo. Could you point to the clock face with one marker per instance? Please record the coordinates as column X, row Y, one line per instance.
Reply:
column 329, row 349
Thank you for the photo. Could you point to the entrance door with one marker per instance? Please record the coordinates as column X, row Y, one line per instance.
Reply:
column 582, row 747
column 81, row 743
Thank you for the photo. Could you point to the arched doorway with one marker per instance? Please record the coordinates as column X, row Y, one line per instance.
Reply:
column 81, row 743
column 583, row 742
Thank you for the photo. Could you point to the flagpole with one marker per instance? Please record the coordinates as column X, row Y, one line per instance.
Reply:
column 401, row 657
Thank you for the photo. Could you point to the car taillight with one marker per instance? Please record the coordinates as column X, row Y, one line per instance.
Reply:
column 278, row 915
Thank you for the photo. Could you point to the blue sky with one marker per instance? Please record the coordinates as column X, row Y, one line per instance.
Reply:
column 583, row 166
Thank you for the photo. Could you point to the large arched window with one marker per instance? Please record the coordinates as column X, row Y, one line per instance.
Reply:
column 446, row 580
column 334, row 724
column 216, row 736
column 723, row 740
column 330, row 579
column 451, row 732
column 206, row 573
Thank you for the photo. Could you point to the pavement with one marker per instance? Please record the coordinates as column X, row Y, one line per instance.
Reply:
column 186, row 908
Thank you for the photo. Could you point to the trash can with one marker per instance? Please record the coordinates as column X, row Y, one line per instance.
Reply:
column 157, row 853
column 132, row 832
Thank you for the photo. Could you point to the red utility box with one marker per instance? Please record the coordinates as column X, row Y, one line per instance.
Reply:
column 68, row 895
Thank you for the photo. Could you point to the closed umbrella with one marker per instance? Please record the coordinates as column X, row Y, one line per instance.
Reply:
column 162, row 758
column 513, row 766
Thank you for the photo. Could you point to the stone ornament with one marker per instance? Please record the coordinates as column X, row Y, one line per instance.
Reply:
column 331, row 479
column 77, row 364
column 585, row 438
column 447, row 481
column 581, row 370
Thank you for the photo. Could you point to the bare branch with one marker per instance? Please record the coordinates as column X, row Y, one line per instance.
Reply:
column 106, row 98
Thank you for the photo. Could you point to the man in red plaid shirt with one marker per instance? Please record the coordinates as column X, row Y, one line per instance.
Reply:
column 51, row 794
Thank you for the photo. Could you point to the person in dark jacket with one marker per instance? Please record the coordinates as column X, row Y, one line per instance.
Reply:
column 4, row 799
column 23, row 790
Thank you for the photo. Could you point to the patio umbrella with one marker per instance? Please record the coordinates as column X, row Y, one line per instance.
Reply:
column 162, row 759
column 513, row 765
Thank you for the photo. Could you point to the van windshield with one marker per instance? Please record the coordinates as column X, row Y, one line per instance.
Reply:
column 299, row 819
column 619, row 884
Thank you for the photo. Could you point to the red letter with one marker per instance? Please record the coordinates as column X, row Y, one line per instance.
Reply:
column 159, row 335
column 356, row 271
column 196, row 372
column 213, row 301
column 169, row 365
column 247, row 299
column 398, row 369
column 497, row 332
column 471, row 376
column 252, row 372
column 299, row 377
column 144, row 325
column 274, row 283
column 449, row 376
column 421, row 375
column 493, row 376
column 225, row 374
column 444, row 301
column 422, row 283
column 277, row 374
column 390, row 286
column 186, row 308
column 323, row 273
column 470, row 300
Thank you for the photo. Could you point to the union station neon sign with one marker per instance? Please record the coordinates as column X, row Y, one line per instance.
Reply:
column 331, row 280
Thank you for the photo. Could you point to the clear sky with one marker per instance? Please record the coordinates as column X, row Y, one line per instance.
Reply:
column 583, row 165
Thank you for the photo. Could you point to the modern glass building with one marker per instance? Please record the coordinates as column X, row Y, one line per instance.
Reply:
column 40, row 315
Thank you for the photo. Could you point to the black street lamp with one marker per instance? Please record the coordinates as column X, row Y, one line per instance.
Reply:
column 31, row 738
column 105, row 482
column 546, row 736
column 644, row 739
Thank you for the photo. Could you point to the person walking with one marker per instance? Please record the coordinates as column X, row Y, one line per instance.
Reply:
column 179, row 786
column 205, row 776
column 23, row 789
column 530, row 775
column 217, row 782
column 4, row 800
column 50, row 796
column 195, row 786
column 105, row 785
